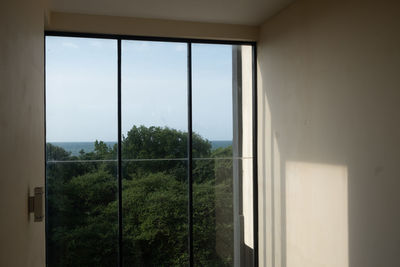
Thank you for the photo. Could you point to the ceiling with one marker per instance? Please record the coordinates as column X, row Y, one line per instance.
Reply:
column 245, row 12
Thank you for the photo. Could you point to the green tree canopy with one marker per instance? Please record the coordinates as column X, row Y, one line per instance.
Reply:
column 82, row 202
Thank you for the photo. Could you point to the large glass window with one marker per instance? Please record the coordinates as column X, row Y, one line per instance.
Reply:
column 149, row 153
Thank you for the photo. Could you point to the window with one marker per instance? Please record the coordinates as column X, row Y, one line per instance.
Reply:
column 150, row 148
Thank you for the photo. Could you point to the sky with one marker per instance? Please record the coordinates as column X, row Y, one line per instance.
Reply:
column 81, row 88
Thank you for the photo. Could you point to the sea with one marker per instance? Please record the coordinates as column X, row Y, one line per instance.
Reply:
column 75, row 147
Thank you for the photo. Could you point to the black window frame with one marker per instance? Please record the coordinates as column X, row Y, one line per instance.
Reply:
column 189, row 42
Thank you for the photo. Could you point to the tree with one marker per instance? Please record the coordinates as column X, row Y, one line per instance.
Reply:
column 155, row 221
column 82, row 202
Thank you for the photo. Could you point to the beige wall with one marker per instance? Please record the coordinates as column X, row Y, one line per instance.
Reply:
column 21, row 131
column 149, row 27
column 329, row 99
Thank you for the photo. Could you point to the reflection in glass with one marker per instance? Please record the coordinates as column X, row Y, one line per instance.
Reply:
column 213, row 211
column 222, row 114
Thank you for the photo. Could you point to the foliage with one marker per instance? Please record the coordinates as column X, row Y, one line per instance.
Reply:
column 82, row 202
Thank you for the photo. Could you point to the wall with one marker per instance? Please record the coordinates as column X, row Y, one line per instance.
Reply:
column 329, row 94
column 149, row 27
column 21, row 130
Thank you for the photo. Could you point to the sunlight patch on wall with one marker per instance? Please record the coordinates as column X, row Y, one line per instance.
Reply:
column 316, row 215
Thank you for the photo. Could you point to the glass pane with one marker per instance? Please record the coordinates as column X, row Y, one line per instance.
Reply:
column 222, row 174
column 212, row 95
column 154, row 94
column 213, row 212
column 81, row 92
column 155, row 225
column 81, row 133
column 154, row 150
column 82, row 227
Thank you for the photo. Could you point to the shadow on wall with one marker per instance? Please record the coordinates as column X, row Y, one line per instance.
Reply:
column 303, row 206
column 303, row 212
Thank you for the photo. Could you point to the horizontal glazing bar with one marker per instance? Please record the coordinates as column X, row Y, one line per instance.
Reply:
column 139, row 160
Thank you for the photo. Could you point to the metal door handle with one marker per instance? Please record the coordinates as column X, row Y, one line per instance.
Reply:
column 35, row 204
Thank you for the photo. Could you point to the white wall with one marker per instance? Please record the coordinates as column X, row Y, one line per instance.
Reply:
column 329, row 99
column 21, row 130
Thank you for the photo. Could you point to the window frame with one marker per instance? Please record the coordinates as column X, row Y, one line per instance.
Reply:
column 189, row 41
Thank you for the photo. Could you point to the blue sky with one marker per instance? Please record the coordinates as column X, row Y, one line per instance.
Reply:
column 81, row 88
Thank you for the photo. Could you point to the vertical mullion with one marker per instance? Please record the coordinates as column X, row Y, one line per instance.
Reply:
column 190, row 156
column 46, row 217
column 119, row 165
column 255, row 157
column 238, row 232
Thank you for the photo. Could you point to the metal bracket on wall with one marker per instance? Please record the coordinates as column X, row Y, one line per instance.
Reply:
column 35, row 204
